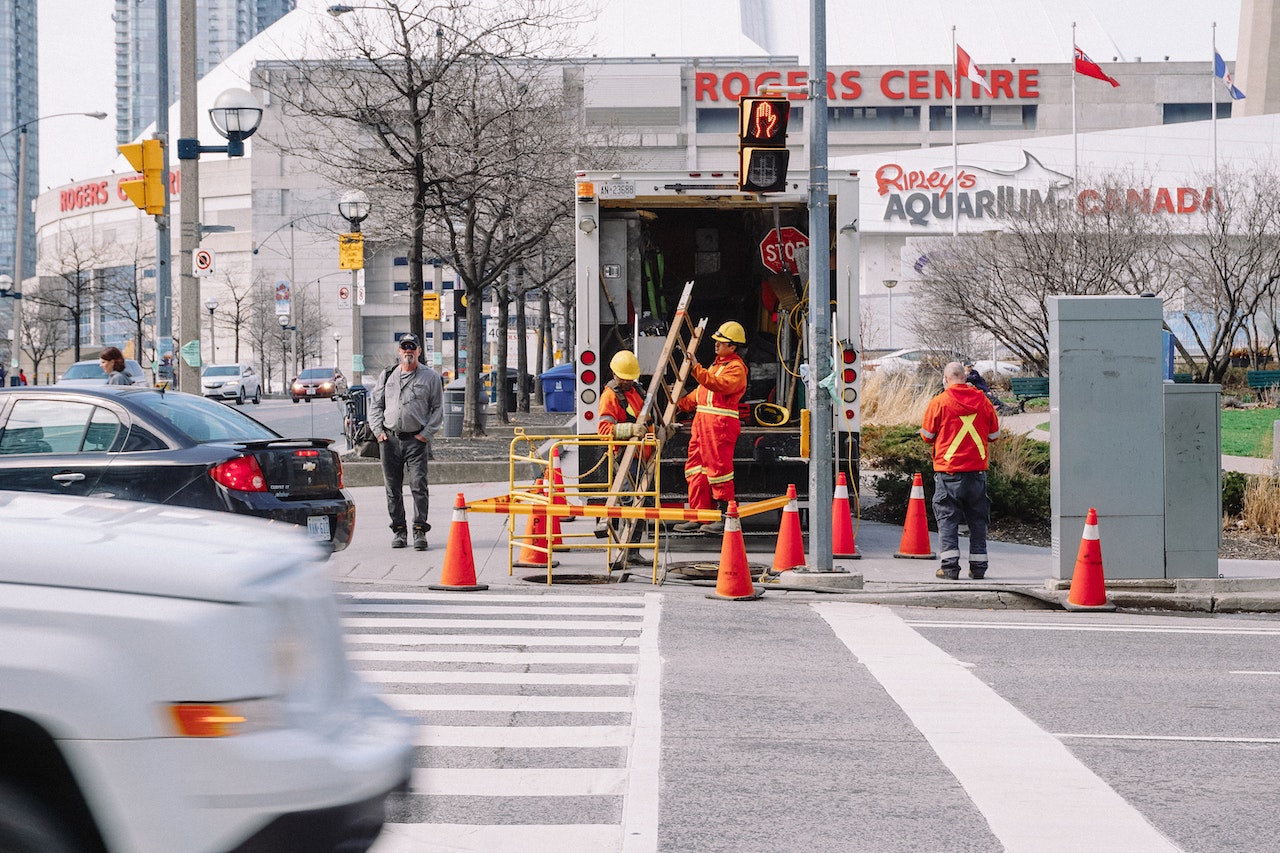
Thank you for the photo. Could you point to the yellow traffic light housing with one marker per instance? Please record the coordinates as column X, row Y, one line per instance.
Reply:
column 762, row 144
column 148, row 191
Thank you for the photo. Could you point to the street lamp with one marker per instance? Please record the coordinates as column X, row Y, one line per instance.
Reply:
column 283, row 320
column 890, row 283
column 212, row 305
column 354, row 207
column 236, row 115
column 337, row 339
column 24, row 210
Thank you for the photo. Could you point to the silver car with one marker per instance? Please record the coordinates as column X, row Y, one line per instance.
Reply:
column 231, row 382
column 90, row 373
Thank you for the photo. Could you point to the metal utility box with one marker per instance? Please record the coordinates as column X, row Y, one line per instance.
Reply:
column 1192, row 480
column 1106, row 410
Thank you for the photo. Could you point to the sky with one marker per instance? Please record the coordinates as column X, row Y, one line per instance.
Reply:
column 77, row 49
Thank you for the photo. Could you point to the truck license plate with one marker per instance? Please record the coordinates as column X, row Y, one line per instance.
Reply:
column 318, row 527
column 618, row 189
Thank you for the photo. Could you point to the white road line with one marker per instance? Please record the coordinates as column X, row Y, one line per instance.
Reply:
column 430, row 623
column 520, row 782
column 506, row 838
column 1251, row 672
column 640, row 806
column 517, row 658
column 488, row 596
column 508, row 703
column 485, row 640
column 1033, row 792
column 1189, row 739
column 455, row 677
column 523, row 737
column 473, row 610
column 1058, row 626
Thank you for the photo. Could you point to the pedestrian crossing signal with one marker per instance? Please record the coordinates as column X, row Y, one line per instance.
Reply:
column 762, row 144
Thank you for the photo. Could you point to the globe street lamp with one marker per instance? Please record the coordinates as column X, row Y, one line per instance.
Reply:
column 337, row 339
column 890, row 283
column 212, row 305
column 354, row 207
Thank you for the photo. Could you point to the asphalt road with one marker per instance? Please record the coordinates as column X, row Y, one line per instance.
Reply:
column 313, row 419
column 621, row 718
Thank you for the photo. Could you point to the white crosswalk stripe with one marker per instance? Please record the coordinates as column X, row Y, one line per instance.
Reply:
column 539, row 718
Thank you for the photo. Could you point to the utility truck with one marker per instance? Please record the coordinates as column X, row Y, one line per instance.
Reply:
column 641, row 236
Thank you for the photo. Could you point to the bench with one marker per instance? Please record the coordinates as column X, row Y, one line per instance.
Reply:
column 1182, row 378
column 1029, row 388
column 1259, row 379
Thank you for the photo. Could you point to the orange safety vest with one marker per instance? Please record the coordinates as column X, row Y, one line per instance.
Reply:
column 618, row 409
column 960, row 423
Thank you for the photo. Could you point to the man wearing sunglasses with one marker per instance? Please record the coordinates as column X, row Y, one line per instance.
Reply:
column 405, row 408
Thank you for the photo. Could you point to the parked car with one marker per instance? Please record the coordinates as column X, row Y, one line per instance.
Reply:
column 236, row 382
column 318, row 382
column 144, row 444
column 174, row 679
column 1000, row 368
column 90, row 373
column 913, row 358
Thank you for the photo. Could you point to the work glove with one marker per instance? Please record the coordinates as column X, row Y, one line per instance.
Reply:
column 625, row 432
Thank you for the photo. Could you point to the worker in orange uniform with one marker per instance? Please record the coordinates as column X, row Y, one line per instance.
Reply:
column 621, row 400
column 716, row 426
column 960, row 424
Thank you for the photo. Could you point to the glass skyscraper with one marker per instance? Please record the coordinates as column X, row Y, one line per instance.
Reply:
column 19, row 103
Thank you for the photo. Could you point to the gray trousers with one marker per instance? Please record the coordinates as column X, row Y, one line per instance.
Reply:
column 961, row 498
column 397, row 455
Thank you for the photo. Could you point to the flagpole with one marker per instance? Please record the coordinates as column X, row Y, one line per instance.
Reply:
column 1075, row 144
column 955, row 150
column 1213, row 101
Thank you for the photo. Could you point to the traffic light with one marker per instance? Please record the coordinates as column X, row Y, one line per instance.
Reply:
column 762, row 144
column 147, row 158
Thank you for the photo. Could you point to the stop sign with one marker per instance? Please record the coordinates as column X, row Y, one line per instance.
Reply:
column 772, row 255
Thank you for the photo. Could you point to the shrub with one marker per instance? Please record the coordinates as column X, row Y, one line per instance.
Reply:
column 1234, row 484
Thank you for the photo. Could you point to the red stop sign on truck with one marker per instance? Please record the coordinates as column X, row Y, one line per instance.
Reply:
column 772, row 254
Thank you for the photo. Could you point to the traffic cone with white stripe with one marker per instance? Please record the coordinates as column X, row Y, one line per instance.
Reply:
column 556, row 478
column 459, row 570
column 733, row 582
column 553, row 521
column 842, row 542
column 789, row 552
column 536, row 550
column 915, row 532
column 1088, row 586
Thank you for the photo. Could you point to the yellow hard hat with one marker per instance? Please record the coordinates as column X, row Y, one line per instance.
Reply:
column 731, row 332
column 625, row 365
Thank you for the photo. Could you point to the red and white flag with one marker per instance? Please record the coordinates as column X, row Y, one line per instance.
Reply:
column 1089, row 68
column 965, row 67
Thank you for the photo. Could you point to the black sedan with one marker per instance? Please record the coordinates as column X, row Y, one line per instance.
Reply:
column 144, row 444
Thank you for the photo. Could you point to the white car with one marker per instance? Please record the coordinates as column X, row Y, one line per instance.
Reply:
column 913, row 358
column 90, row 372
column 236, row 382
column 175, row 680
column 1000, row 368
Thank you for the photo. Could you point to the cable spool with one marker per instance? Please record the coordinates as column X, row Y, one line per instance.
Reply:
column 771, row 414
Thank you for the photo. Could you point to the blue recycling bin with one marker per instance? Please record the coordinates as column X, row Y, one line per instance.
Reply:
column 558, row 387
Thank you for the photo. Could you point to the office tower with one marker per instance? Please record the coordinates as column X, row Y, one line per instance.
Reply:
column 19, row 102
column 1257, row 65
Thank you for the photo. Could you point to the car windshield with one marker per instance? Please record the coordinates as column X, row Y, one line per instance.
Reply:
column 316, row 373
column 85, row 370
column 203, row 420
column 231, row 370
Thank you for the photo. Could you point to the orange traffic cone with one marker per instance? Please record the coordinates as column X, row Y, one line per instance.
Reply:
column 789, row 553
column 459, row 570
column 1088, row 587
column 842, row 543
column 556, row 479
column 554, row 496
column 537, row 548
column 915, row 533
column 733, row 582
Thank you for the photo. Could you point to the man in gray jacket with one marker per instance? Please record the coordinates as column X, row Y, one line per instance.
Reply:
column 406, row 405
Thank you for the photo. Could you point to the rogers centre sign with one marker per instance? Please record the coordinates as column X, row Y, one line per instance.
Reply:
column 894, row 84
column 96, row 193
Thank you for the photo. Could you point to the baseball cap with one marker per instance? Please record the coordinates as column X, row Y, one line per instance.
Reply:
column 408, row 342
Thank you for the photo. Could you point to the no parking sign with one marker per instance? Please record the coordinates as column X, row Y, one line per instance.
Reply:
column 202, row 263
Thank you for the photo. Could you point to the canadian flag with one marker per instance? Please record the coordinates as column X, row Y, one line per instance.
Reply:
column 965, row 67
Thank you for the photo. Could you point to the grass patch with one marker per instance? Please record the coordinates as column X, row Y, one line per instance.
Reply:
column 1248, row 432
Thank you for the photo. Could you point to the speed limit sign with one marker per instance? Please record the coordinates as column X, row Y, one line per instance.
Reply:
column 202, row 263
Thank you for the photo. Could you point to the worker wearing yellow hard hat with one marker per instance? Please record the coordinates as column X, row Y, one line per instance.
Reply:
column 621, row 399
column 716, row 426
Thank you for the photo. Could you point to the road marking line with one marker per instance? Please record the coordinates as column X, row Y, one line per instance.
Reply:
column 485, row 640
column 1192, row 739
column 457, row 677
column 472, row 610
column 503, row 838
column 524, row 737
column 641, row 804
column 519, row 658
column 1141, row 629
column 527, row 598
column 1252, row 672
column 431, row 623
column 509, row 703
column 1032, row 791
column 519, row 782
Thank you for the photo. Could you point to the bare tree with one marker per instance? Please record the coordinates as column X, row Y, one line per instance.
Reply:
column 44, row 334
column 68, row 280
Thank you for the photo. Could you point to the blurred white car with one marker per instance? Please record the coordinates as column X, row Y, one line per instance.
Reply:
column 912, row 358
column 89, row 372
column 235, row 382
column 1000, row 368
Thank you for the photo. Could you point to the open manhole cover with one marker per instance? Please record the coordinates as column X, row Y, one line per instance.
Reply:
column 617, row 577
column 706, row 570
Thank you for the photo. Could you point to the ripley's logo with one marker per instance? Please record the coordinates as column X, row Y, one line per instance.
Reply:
column 919, row 196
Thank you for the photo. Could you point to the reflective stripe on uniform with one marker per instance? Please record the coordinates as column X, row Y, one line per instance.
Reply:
column 715, row 481
column 715, row 410
column 969, row 430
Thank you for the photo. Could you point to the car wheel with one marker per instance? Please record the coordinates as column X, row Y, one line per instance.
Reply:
column 27, row 827
column 257, row 395
column 295, row 399
column 240, row 397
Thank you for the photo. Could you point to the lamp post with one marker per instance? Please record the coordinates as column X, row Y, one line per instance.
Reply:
column 354, row 207
column 212, row 305
column 337, row 340
column 20, row 231
column 283, row 319
column 890, row 283
column 235, row 115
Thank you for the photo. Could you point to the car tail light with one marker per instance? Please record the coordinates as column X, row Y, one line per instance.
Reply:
column 337, row 460
column 241, row 474
column 311, row 452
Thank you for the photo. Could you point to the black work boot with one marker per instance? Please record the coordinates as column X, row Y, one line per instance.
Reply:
column 399, row 539
column 977, row 570
column 419, row 539
column 716, row 527
column 949, row 572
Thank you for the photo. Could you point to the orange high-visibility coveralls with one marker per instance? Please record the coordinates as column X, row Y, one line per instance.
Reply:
column 716, row 427
column 617, row 409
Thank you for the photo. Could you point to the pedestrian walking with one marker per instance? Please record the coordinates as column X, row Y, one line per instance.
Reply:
column 22, row 376
column 112, row 363
column 406, row 406
column 977, row 380
column 716, row 426
column 960, row 424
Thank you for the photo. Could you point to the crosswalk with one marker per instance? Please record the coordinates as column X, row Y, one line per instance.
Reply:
column 539, row 724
